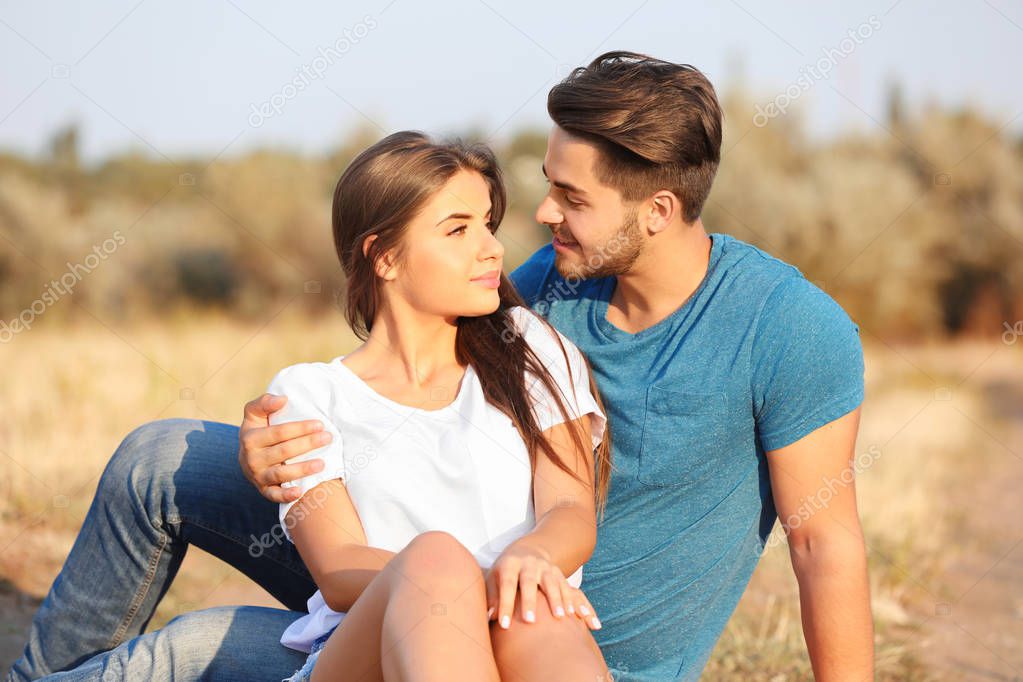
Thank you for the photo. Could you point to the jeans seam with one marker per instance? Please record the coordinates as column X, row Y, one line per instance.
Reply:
column 140, row 594
column 241, row 543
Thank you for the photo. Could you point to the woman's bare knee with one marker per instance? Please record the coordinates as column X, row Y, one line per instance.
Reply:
column 541, row 647
column 436, row 561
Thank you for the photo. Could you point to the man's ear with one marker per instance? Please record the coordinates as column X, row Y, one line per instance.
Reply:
column 661, row 209
column 384, row 265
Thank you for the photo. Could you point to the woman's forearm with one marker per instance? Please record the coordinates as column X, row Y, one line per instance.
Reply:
column 566, row 535
column 361, row 564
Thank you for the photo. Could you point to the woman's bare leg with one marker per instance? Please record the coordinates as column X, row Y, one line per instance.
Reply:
column 549, row 649
column 423, row 618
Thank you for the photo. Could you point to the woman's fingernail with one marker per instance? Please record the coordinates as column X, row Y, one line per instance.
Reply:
column 596, row 623
column 505, row 621
column 530, row 617
column 490, row 613
column 571, row 609
column 583, row 610
column 560, row 612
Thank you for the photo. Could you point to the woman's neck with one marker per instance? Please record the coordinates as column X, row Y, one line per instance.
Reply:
column 407, row 345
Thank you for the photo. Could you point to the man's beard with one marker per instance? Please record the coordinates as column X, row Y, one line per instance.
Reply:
column 616, row 256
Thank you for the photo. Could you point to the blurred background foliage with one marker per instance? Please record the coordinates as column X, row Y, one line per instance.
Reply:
column 915, row 227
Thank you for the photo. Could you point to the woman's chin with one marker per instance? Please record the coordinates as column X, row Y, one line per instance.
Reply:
column 482, row 309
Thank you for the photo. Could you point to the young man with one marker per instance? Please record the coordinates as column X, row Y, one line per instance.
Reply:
column 732, row 387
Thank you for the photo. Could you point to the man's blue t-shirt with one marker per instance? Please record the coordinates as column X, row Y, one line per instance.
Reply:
column 757, row 358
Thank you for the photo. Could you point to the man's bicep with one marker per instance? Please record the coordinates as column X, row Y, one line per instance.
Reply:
column 813, row 480
column 807, row 364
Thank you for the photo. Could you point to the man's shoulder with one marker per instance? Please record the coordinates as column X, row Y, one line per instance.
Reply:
column 530, row 277
column 753, row 264
column 772, row 283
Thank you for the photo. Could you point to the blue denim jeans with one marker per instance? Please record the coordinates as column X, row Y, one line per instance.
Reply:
column 305, row 673
column 171, row 484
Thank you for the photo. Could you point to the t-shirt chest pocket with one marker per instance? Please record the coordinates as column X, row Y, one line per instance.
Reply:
column 684, row 434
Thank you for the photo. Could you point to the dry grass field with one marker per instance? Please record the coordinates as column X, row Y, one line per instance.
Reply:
column 940, row 459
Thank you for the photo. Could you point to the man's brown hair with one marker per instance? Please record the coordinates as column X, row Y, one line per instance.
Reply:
column 657, row 125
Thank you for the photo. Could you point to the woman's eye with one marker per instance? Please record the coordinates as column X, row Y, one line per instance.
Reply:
column 460, row 228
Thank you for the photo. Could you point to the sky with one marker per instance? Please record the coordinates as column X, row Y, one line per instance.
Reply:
column 222, row 77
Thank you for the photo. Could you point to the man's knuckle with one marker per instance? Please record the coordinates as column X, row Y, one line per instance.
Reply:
column 266, row 477
column 277, row 475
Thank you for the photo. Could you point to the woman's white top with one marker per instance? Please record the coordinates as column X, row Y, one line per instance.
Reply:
column 463, row 469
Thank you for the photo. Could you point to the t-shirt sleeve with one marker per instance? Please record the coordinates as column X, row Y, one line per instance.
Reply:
column 807, row 363
column 529, row 277
column 310, row 396
column 575, row 389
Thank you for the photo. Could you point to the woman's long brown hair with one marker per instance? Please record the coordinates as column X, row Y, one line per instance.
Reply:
column 379, row 193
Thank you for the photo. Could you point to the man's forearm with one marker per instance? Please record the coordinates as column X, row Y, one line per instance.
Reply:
column 834, row 597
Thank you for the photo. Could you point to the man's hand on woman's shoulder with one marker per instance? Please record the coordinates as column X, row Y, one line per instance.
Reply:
column 263, row 448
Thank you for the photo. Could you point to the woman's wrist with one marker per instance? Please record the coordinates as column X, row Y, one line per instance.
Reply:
column 532, row 544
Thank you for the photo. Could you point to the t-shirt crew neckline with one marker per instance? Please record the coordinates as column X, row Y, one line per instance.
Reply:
column 613, row 333
column 450, row 412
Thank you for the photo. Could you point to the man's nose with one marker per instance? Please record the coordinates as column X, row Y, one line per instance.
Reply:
column 548, row 212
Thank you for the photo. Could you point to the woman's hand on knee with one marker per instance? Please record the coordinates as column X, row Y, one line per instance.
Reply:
column 525, row 571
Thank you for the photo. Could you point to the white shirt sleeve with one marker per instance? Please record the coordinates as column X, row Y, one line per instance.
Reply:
column 571, row 378
column 310, row 396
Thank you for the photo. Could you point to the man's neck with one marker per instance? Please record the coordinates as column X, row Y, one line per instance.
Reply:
column 663, row 278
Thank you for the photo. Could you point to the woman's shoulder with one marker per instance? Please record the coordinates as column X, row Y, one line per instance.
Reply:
column 307, row 377
column 556, row 351
column 537, row 332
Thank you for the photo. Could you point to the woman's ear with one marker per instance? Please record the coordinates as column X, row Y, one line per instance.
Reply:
column 365, row 244
column 384, row 265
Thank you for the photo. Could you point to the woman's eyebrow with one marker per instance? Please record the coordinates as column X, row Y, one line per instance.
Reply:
column 459, row 216
column 456, row 216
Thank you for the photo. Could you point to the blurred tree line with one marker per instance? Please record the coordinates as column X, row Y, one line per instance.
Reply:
column 915, row 227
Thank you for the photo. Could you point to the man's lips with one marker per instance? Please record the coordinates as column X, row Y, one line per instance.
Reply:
column 558, row 241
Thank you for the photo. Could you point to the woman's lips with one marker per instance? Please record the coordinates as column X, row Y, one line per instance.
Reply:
column 491, row 280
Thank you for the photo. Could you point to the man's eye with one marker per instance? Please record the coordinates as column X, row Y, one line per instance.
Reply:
column 569, row 200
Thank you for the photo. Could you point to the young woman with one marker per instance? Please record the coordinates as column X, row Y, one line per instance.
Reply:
column 465, row 445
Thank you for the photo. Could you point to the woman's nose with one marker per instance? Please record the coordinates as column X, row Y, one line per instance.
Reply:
column 492, row 247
